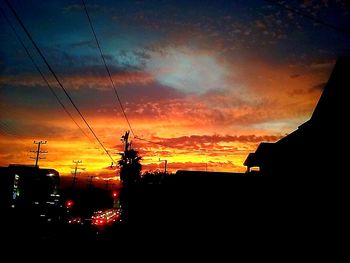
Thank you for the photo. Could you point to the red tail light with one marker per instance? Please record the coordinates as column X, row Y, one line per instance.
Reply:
column 69, row 203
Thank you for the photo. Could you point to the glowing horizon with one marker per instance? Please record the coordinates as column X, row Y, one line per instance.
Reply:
column 212, row 84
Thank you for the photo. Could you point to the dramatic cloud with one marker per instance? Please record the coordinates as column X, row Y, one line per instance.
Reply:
column 187, row 71
column 90, row 79
column 205, row 140
column 201, row 84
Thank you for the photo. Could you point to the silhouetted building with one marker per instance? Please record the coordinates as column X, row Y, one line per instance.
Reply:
column 30, row 189
column 316, row 147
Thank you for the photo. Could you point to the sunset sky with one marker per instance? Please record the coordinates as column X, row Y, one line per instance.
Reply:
column 211, row 79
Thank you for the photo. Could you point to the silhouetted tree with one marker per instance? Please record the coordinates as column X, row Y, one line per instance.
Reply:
column 153, row 177
column 130, row 167
column 130, row 173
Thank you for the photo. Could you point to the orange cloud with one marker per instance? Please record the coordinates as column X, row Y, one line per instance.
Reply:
column 80, row 80
column 215, row 129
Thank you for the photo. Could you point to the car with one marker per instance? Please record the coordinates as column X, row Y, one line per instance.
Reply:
column 106, row 217
column 75, row 220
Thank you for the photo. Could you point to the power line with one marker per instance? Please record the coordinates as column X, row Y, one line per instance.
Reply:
column 55, row 76
column 109, row 75
column 112, row 82
column 41, row 74
column 8, row 129
column 107, row 69
column 315, row 19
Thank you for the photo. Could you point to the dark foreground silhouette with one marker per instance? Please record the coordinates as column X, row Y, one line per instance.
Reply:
column 213, row 209
column 299, row 195
column 318, row 147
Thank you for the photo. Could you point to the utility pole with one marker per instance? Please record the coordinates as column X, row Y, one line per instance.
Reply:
column 75, row 172
column 38, row 152
column 165, row 163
